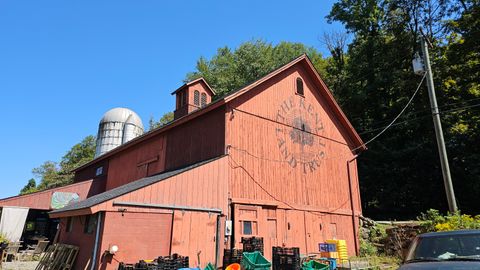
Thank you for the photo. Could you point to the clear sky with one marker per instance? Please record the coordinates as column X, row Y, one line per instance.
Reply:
column 63, row 64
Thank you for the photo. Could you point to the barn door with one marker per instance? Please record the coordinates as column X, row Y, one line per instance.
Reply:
column 270, row 229
column 194, row 236
column 258, row 221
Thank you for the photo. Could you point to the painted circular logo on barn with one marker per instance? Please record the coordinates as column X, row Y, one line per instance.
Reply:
column 299, row 134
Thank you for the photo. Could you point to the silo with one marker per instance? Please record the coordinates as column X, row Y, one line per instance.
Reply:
column 118, row 126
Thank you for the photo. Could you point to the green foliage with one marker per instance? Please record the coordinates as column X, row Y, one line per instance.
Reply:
column 367, row 248
column 400, row 174
column 165, row 119
column 52, row 174
column 3, row 239
column 30, row 187
column 432, row 221
column 230, row 70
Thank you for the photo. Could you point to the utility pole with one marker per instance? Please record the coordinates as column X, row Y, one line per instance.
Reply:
column 447, row 180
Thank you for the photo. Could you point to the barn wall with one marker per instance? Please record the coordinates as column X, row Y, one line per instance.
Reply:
column 144, row 159
column 90, row 172
column 42, row 200
column 78, row 237
column 139, row 236
column 199, row 139
column 271, row 161
column 292, row 228
column 195, row 233
column 203, row 186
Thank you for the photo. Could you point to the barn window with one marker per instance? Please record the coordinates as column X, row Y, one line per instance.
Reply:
column 300, row 86
column 69, row 224
column 204, row 99
column 90, row 224
column 247, row 228
column 196, row 98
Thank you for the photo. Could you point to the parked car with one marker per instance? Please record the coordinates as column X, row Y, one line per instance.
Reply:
column 444, row 250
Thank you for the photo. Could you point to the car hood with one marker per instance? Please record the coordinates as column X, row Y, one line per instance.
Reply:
column 444, row 265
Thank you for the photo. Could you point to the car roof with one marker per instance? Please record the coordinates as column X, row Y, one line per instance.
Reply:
column 449, row 233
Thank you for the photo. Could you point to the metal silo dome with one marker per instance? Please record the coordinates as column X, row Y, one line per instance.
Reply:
column 117, row 126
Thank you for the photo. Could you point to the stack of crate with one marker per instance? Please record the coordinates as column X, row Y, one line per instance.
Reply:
column 341, row 249
column 286, row 258
column 232, row 256
column 172, row 262
column 251, row 244
column 328, row 250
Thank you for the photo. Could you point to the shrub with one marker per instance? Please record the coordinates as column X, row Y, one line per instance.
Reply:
column 367, row 248
column 433, row 221
column 3, row 239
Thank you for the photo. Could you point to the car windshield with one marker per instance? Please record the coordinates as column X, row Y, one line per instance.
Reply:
column 447, row 247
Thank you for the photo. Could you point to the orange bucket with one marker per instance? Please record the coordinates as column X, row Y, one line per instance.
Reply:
column 233, row 266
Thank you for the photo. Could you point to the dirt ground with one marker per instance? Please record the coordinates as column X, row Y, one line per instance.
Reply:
column 19, row 265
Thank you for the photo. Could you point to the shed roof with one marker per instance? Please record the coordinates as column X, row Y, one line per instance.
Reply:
column 303, row 59
column 132, row 186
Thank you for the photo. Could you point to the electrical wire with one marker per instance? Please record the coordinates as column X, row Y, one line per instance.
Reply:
column 394, row 119
column 424, row 116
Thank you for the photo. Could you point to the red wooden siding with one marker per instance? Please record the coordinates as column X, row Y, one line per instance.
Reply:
column 197, row 140
column 137, row 235
column 292, row 228
column 146, row 158
column 204, row 186
column 258, row 162
column 189, row 91
column 195, row 232
column 262, row 144
column 78, row 237
column 91, row 172
column 42, row 200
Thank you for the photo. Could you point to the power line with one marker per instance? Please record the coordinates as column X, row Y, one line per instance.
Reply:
column 394, row 119
column 423, row 116
column 418, row 112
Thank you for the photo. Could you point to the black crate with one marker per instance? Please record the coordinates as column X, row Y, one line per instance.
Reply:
column 172, row 262
column 251, row 244
column 126, row 266
column 232, row 256
column 285, row 258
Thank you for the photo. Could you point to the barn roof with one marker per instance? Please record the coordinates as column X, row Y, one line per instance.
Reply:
column 303, row 59
column 192, row 82
column 127, row 188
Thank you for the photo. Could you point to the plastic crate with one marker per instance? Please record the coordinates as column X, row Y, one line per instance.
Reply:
column 251, row 244
column 314, row 265
column 255, row 261
column 232, row 256
column 285, row 258
column 126, row 266
column 327, row 247
column 209, row 267
column 329, row 261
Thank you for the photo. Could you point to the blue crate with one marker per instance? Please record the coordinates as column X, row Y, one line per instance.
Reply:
column 327, row 247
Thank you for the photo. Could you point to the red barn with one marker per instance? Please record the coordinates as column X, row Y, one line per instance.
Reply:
column 276, row 159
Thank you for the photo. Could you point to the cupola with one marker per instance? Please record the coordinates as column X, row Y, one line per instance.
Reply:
column 192, row 96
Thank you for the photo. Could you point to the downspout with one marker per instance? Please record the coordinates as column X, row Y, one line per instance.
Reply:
column 217, row 240
column 351, row 203
column 97, row 237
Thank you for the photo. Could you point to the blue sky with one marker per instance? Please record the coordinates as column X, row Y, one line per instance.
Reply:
column 63, row 64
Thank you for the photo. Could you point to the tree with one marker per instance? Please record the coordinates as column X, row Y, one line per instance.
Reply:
column 165, row 119
column 230, row 70
column 52, row 174
column 400, row 172
column 29, row 187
